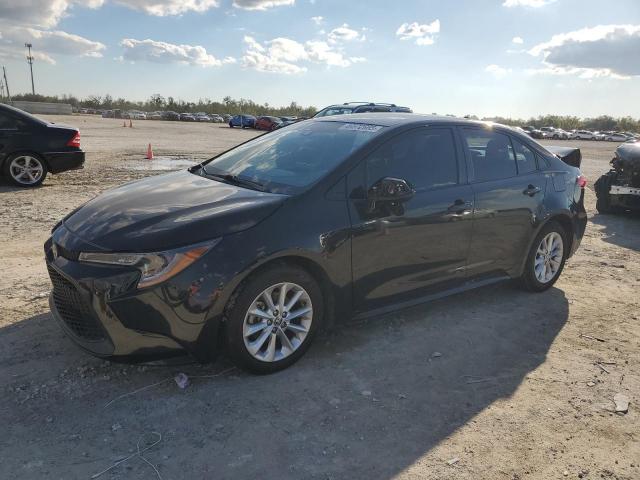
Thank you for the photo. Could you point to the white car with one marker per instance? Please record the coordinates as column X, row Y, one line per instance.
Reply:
column 137, row 115
column 616, row 137
column 555, row 133
column 583, row 135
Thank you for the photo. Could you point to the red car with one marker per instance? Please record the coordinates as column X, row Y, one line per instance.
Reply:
column 267, row 123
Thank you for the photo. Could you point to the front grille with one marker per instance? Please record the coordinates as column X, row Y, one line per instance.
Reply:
column 73, row 309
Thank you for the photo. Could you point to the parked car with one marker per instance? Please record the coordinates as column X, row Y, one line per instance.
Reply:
column 554, row 133
column 187, row 117
column 616, row 137
column 618, row 190
column 107, row 114
column 170, row 115
column 226, row 117
column 583, row 135
column 360, row 107
column 261, row 246
column 533, row 132
column 215, row 118
column 267, row 123
column 154, row 116
column 244, row 121
column 201, row 117
column 30, row 148
column 136, row 115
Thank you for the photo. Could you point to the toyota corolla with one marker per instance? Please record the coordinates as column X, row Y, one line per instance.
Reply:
column 336, row 217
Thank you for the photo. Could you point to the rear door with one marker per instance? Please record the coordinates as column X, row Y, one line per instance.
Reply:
column 8, row 134
column 402, row 251
column 509, row 192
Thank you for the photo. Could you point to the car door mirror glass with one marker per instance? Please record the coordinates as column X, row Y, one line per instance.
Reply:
column 389, row 189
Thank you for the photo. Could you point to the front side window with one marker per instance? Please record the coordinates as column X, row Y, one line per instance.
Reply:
column 7, row 122
column 525, row 158
column 491, row 154
column 287, row 160
column 426, row 158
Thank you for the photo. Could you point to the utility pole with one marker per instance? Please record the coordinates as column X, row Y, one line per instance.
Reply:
column 30, row 61
column 6, row 82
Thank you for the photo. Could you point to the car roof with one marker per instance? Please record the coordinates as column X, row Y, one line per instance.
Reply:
column 394, row 119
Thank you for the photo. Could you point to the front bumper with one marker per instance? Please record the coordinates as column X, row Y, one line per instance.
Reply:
column 101, row 310
column 59, row 162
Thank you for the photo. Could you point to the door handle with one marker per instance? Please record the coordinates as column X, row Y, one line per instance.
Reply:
column 531, row 190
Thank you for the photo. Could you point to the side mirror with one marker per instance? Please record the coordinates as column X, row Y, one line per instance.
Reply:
column 390, row 189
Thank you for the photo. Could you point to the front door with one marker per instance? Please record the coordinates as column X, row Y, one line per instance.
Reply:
column 405, row 250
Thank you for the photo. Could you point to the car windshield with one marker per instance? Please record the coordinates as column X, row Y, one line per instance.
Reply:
column 291, row 159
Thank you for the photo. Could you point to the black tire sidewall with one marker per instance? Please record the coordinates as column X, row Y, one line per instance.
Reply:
column 528, row 279
column 12, row 157
column 241, row 303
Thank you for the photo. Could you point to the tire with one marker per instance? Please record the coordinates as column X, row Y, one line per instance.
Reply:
column 530, row 279
column 25, row 169
column 251, row 298
column 230, row 125
column 603, row 205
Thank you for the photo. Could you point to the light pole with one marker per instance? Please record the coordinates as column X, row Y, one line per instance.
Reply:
column 30, row 61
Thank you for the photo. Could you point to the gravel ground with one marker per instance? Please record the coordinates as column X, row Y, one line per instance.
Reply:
column 491, row 384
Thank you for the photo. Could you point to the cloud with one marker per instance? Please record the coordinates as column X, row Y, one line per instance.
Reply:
column 317, row 20
column 497, row 71
column 274, row 58
column 39, row 13
column 284, row 55
column 527, row 3
column 517, row 40
column 422, row 34
column 344, row 34
column 600, row 51
column 163, row 52
column 163, row 8
column 261, row 4
column 46, row 43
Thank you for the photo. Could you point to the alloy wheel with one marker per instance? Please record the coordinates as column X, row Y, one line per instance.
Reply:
column 26, row 170
column 277, row 322
column 548, row 258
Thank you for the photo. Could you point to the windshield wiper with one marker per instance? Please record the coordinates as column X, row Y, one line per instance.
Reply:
column 236, row 180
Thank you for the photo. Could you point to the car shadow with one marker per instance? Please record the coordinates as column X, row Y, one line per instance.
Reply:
column 367, row 401
column 622, row 229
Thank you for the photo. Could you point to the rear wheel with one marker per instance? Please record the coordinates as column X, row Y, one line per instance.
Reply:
column 546, row 258
column 25, row 169
column 273, row 319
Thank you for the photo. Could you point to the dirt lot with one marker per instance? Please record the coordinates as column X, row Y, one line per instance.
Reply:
column 492, row 384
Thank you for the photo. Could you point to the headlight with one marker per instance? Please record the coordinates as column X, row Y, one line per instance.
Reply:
column 155, row 267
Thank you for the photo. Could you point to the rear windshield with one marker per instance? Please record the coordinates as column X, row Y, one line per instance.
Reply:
column 291, row 159
column 334, row 111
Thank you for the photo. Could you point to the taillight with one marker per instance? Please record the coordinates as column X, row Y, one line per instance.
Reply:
column 581, row 181
column 75, row 141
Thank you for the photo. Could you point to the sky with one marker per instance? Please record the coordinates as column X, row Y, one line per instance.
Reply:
column 513, row 58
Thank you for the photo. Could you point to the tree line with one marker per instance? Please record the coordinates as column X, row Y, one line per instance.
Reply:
column 234, row 106
column 158, row 102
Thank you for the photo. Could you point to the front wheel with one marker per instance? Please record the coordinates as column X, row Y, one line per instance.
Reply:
column 273, row 319
column 25, row 170
column 546, row 258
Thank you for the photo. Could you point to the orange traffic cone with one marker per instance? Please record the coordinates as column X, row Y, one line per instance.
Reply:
column 124, row 123
column 149, row 155
column 130, row 124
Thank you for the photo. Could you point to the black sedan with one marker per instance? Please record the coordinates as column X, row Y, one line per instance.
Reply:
column 30, row 148
column 329, row 218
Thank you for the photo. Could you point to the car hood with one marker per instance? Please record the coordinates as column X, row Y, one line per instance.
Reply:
column 167, row 211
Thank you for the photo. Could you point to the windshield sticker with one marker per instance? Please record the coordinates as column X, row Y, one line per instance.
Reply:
column 360, row 127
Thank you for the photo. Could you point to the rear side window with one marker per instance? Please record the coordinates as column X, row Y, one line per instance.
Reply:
column 491, row 154
column 525, row 158
column 426, row 158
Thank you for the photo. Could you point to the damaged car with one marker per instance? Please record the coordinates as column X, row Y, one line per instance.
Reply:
column 619, row 189
column 259, row 248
